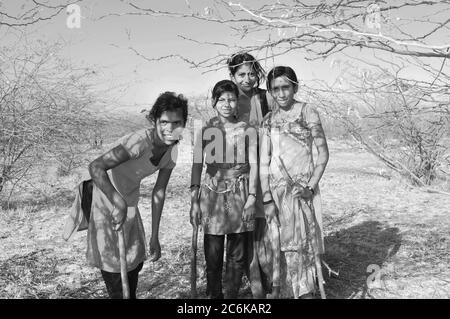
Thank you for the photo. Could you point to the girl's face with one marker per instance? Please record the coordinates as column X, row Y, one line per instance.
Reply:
column 169, row 127
column 226, row 105
column 245, row 77
column 283, row 91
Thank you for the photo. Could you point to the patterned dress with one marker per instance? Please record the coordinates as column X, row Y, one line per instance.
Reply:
column 224, row 190
column 291, row 163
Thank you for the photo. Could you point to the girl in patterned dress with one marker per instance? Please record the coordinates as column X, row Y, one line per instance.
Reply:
column 224, row 202
column 290, row 184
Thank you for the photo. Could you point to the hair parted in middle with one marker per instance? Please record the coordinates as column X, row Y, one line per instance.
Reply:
column 278, row 71
column 222, row 87
column 239, row 59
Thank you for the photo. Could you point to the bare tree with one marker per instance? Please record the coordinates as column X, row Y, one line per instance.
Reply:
column 377, row 103
column 405, row 123
column 317, row 28
column 44, row 108
column 25, row 13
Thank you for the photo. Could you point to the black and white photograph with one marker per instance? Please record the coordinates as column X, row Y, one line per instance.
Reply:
column 242, row 150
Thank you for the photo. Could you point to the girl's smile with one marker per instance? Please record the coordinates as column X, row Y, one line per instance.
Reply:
column 226, row 105
column 245, row 77
column 169, row 127
column 283, row 91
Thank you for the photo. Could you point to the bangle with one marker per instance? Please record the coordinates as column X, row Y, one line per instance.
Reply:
column 194, row 185
column 268, row 202
column 253, row 194
column 310, row 189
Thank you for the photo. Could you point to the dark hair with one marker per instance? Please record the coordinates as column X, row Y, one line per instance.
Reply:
column 168, row 102
column 239, row 59
column 281, row 71
column 222, row 87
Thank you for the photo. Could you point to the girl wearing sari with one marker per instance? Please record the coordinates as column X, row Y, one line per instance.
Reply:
column 253, row 104
column 290, row 185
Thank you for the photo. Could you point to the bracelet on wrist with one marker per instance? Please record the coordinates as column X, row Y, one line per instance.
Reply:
column 252, row 194
column 194, row 185
column 268, row 202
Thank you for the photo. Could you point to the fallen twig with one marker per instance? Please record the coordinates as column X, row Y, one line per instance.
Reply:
column 330, row 271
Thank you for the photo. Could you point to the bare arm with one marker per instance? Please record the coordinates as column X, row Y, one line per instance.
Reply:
column 196, row 175
column 253, row 159
column 264, row 162
column 252, row 145
column 322, row 153
column 98, row 171
column 197, row 166
column 158, row 198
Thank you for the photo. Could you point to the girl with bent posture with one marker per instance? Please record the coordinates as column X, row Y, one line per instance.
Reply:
column 290, row 184
column 117, row 175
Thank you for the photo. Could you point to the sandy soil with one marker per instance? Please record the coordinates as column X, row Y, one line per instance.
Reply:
column 384, row 239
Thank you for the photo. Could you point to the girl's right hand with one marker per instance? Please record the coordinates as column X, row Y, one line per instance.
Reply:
column 270, row 211
column 195, row 214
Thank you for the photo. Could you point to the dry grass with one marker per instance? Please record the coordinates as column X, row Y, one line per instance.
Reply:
column 371, row 218
column 40, row 274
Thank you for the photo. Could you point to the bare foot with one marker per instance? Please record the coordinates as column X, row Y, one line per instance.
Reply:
column 275, row 293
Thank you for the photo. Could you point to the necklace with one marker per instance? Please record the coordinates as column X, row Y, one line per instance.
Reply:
column 288, row 115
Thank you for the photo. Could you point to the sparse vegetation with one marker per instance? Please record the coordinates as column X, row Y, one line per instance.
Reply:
column 371, row 217
column 387, row 120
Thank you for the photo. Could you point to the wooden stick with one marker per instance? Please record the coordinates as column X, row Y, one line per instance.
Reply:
column 311, row 219
column 194, row 262
column 123, row 265
column 319, row 273
column 314, row 245
column 276, row 247
column 330, row 271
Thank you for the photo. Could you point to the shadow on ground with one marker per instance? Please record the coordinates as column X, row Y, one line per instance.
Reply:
column 170, row 276
column 350, row 252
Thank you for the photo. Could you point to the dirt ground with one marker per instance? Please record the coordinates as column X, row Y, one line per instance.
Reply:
column 383, row 239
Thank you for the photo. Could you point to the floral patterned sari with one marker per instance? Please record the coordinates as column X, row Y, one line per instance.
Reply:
column 300, row 233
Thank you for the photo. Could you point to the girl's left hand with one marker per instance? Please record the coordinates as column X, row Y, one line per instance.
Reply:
column 155, row 249
column 299, row 191
column 249, row 209
column 307, row 194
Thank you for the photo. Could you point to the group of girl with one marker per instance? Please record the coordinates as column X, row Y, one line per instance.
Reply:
column 260, row 190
